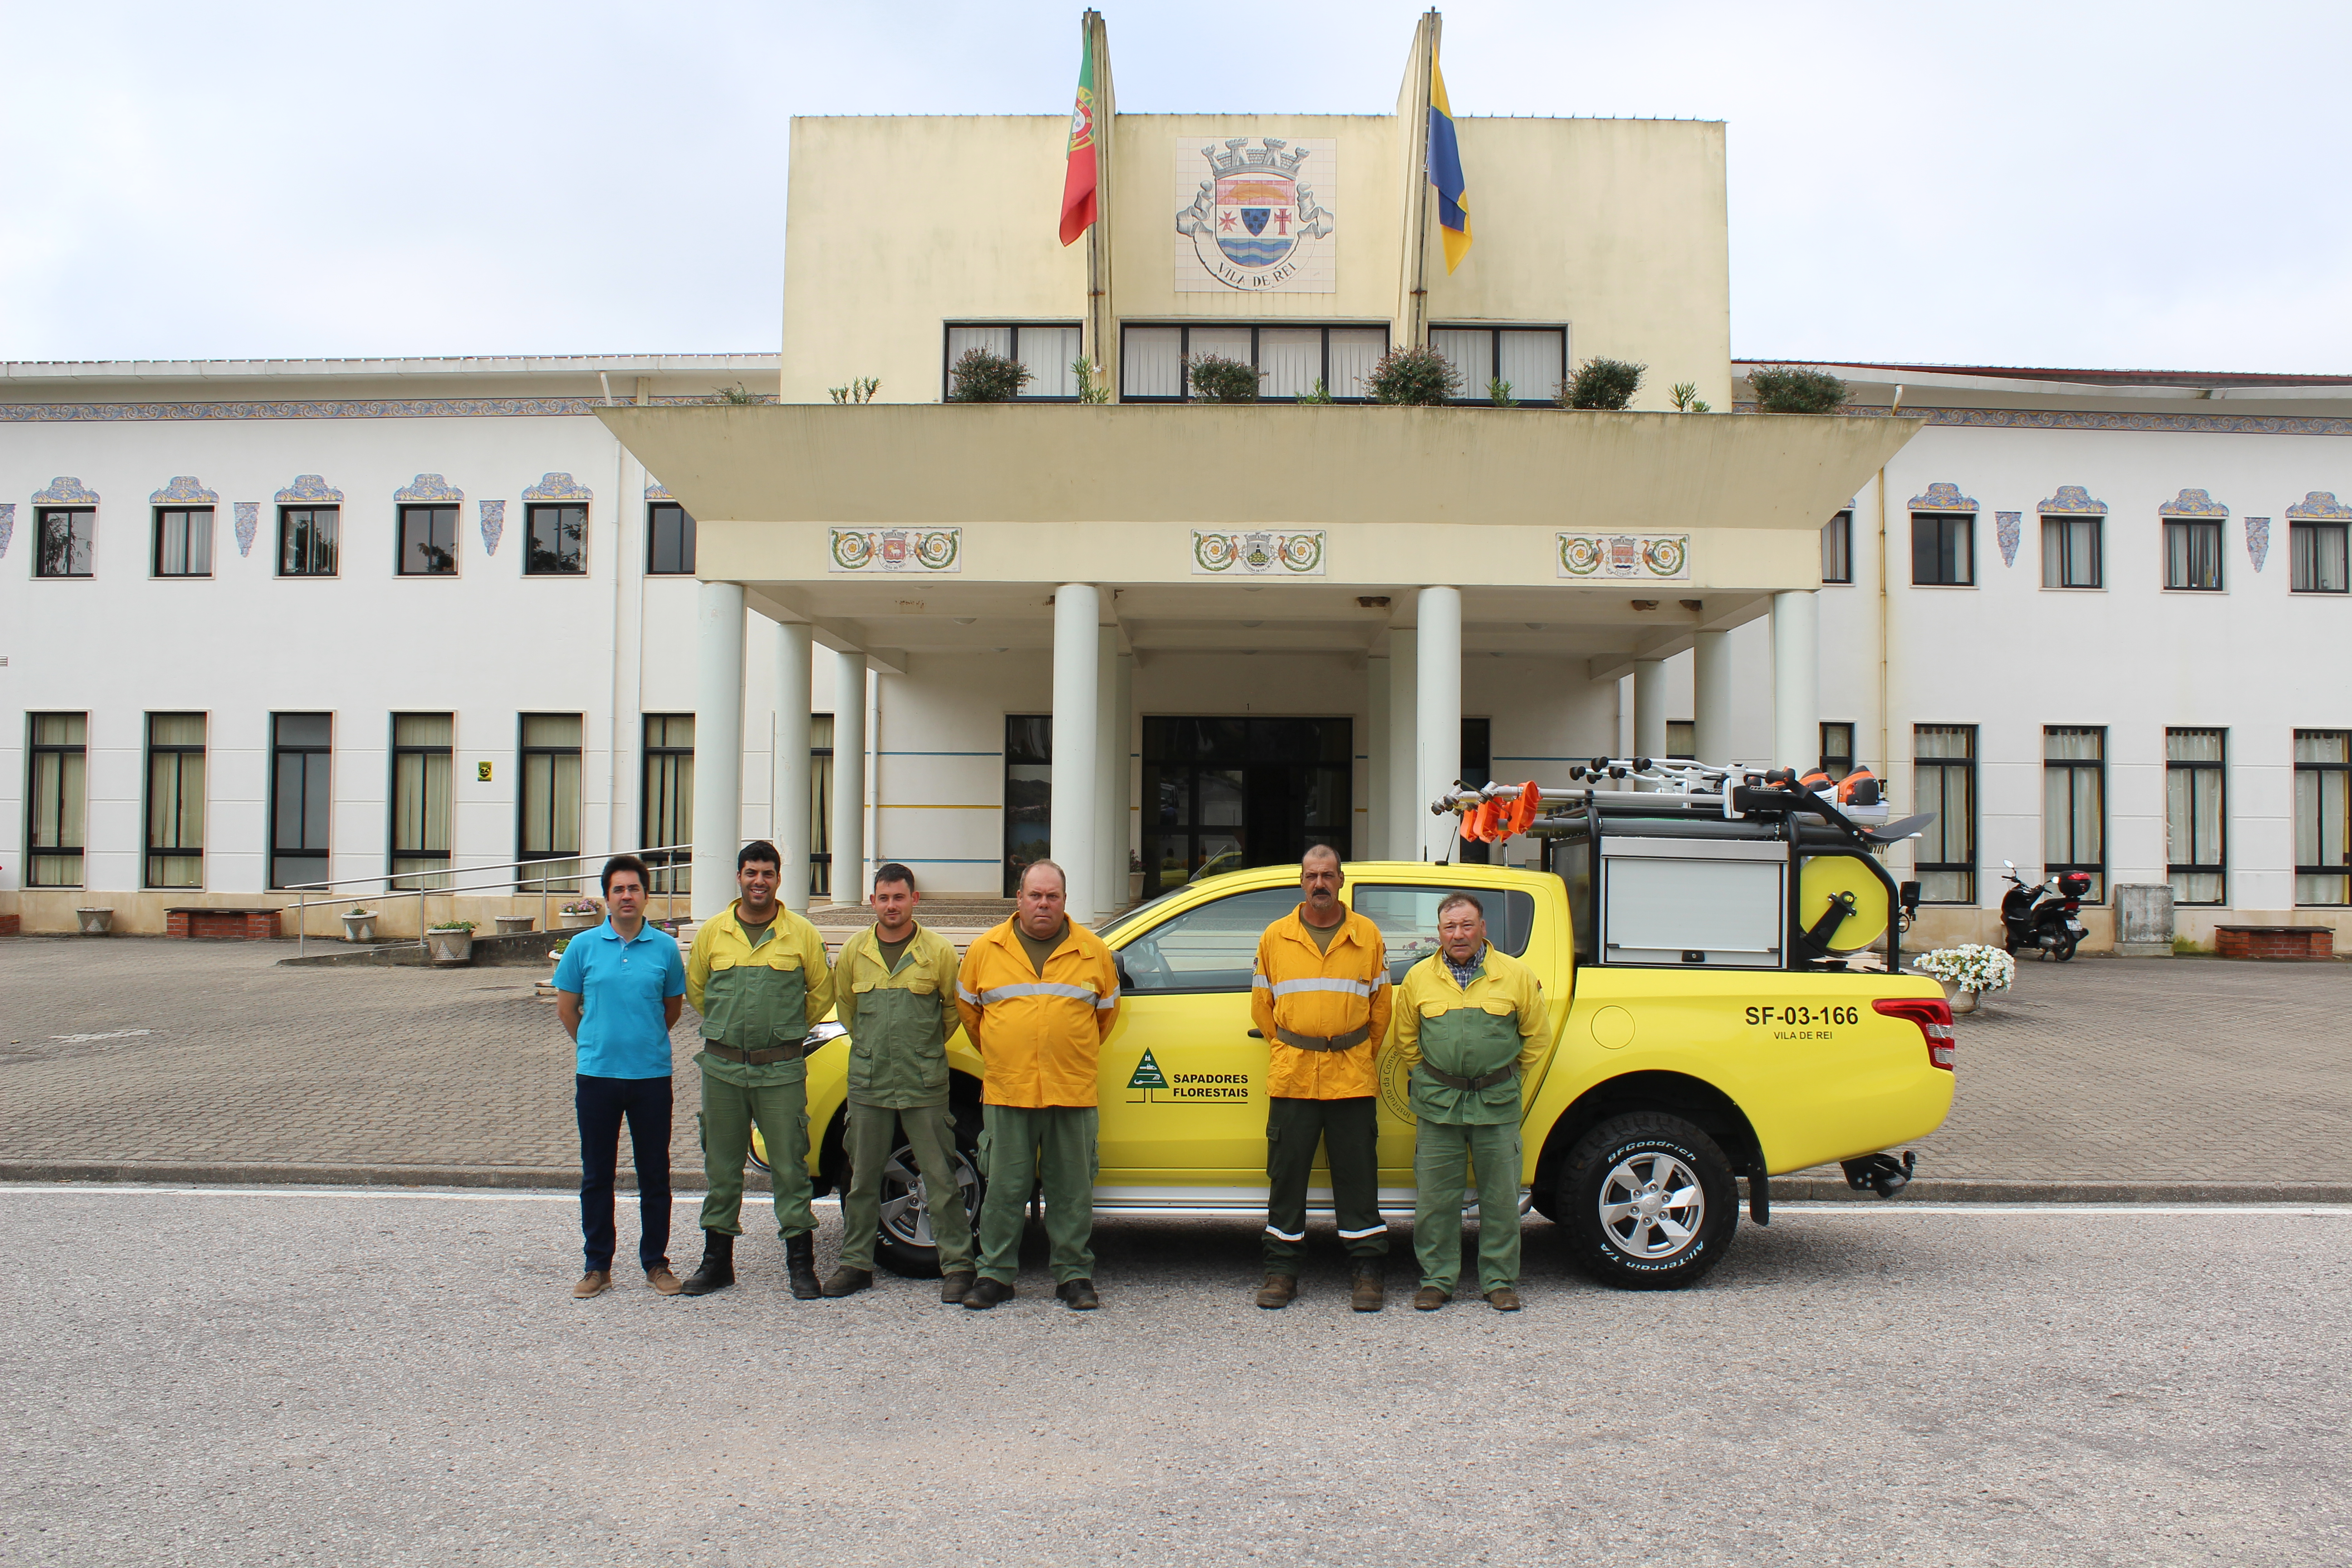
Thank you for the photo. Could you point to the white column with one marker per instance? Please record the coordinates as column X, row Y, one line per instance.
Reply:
column 1123, row 766
column 1650, row 708
column 717, row 743
column 1797, row 680
column 789, row 810
column 1077, row 612
column 1711, row 683
column 1437, row 717
column 848, row 778
column 1110, row 778
column 1404, row 755
column 1373, row 844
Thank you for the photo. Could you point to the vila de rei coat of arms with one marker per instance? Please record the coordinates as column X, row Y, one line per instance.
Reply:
column 1253, row 218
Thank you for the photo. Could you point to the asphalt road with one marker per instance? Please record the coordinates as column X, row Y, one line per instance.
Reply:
column 250, row 1376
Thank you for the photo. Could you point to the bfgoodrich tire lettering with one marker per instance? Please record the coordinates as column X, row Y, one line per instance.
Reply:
column 1648, row 1201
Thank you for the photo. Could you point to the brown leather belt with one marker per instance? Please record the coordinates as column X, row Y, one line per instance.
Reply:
column 1487, row 1081
column 791, row 1053
column 1353, row 1037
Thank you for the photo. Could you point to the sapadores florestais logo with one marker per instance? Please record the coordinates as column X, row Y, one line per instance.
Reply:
column 1148, row 1086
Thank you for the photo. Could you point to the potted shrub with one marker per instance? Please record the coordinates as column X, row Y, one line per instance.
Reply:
column 581, row 913
column 1600, row 384
column 1216, row 379
column 1967, row 973
column 358, row 924
column 1794, row 389
column 1421, row 377
column 450, row 941
column 980, row 376
column 95, row 922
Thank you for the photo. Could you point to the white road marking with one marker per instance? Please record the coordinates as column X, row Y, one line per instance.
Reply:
column 109, row 1034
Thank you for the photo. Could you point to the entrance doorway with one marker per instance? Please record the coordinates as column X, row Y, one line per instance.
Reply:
column 1223, row 794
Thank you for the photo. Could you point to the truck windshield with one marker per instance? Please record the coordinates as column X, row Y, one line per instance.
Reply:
column 1407, row 916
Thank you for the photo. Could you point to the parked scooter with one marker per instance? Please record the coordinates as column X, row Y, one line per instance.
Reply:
column 2041, row 917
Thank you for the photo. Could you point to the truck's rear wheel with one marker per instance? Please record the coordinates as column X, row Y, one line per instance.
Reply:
column 1648, row 1201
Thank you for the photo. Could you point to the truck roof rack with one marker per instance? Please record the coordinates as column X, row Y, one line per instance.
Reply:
column 1640, row 787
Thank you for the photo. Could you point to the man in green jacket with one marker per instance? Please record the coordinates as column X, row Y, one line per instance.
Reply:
column 898, row 987
column 758, row 975
column 1470, row 1024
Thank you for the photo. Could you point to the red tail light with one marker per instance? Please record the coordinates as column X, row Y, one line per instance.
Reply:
column 1934, row 1017
column 2072, row 905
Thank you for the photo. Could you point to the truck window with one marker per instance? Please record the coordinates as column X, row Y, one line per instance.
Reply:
column 1407, row 917
column 1211, row 948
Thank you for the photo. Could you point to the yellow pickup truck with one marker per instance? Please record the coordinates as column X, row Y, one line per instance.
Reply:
column 1712, row 1016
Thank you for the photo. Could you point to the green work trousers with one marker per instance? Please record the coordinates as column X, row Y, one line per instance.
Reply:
column 931, row 1137
column 1348, row 1131
column 729, row 1110
column 1020, row 1145
column 1440, row 1149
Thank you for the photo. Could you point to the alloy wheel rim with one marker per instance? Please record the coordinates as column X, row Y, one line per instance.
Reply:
column 906, row 1208
column 1652, row 1206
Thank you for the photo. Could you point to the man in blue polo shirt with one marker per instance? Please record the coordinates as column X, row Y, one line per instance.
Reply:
column 618, row 989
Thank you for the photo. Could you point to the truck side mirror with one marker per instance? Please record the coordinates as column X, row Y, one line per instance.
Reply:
column 1908, row 893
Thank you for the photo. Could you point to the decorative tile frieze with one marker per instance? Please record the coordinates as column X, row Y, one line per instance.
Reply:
column 2258, row 540
column 1941, row 496
column 248, row 523
column 1259, row 552
column 66, row 491
column 1591, row 557
column 558, row 487
column 2192, row 503
column 2073, row 500
column 333, row 409
column 429, row 488
column 7, row 526
column 493, row 525
column 310, row 490
column 2060, row 419
column 185, row 490
column 2008, row 527
column 2320, row 506
column 917, row 549
column 657, row 491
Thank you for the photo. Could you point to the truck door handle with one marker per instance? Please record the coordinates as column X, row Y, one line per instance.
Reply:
column 1257, row 1033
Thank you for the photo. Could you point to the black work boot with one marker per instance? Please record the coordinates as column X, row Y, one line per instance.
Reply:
column 800, row 1266
column 717, row 1270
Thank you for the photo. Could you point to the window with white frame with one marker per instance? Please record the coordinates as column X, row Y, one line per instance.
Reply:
column 1046, row 348
column 54, row 799
column 67, row 546
column 1944, row 758
column 1291, row 362
column 1533, row 361
column 301, row 747
column 2069, row 551
column 175, row 800
column 2193, row 553
column 2196, row 815
column 2323, row 816
column 548, row 825
column 2319, row 559
column 1943, row 549
column 422, row 758
column 184, row 541
column 2074, row 804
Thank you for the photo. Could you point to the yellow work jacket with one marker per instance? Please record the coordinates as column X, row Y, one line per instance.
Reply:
column 1039, row 1035
column 757, row 998
column 1308, row 991
column 1496, row 1021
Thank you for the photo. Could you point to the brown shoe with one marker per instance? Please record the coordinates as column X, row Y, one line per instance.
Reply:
column 954, row 1288
column 1372, row 1293
column 1278, row 1291
column 847, row 1281
column 595, row 1282
column 1429, row 1297
column 659, row 1279
column 1503, row 1299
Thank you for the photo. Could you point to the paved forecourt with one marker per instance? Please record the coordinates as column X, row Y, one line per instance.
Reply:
column 236, row 1376
column 207, row 1060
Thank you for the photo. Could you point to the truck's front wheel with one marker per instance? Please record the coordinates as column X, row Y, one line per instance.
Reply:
column 1648, row 1201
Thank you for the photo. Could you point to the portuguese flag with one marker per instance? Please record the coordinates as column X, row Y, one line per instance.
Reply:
column 1079, row 184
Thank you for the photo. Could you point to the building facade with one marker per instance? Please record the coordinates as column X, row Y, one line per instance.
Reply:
column 465, row 624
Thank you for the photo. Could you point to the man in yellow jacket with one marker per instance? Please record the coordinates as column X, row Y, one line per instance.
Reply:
column 1470, row 1025
column 1038, row 995
column 758, row 976
column 1320, row 997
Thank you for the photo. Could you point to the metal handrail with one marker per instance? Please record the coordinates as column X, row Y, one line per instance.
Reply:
column 304, row 890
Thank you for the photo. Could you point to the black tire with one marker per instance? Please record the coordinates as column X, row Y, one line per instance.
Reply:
column 902, row 1244
column 1656, row 1247
column 2065, row 950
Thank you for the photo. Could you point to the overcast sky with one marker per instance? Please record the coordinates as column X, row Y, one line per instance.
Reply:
column 2053, row 184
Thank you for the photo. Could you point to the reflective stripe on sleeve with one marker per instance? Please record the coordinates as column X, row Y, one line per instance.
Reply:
column 1282, row 988
column 1104, row 1003
column 970, row 997
column 997, row 994
column 1259, row 982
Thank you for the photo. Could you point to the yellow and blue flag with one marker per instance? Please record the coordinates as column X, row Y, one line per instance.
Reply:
column 1446, row 172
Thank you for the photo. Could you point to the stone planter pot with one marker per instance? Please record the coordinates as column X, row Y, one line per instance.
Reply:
column 580, row 920
column 513, row 925
column 95, row 922
column 1963, row 1002
column 450, row 946
column 359, row 925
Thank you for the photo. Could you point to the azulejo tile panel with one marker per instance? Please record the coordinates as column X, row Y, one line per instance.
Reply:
column 1260, row 552
column 1641, row 556
column 2073, row 500
column 2192, row 503
column 310, row 489
column 2258, row 540
column 493, row 525
column 917, row 549
column 66, row 491
column 1941, row 496
column 333, row 408
column 429, row 488
column 7, row 526
column 658, row 490
column 2008, row 527
column 558, row 487
column 248, row 523
column 2060, row 419
column 2320, row 505
column 185, row 490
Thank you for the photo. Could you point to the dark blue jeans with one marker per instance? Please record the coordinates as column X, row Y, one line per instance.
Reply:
column 601, row 1102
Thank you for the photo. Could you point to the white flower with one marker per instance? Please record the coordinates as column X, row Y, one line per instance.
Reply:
column 1971, row 966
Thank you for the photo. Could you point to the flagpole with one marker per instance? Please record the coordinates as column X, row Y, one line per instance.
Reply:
column 1102, row 320
column 1413, row 107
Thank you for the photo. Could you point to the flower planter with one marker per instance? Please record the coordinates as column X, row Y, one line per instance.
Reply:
column 1963, row 1003
column 513, row 925
column 449, row 946
column 581, row 919
column 95, row 922
column 359, row 925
